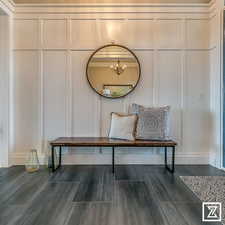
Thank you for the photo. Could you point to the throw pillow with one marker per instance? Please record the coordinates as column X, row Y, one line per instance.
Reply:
column 153, row 122
column 123, row 126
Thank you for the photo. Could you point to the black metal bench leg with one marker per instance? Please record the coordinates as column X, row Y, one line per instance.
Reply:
column 165, row 156
column 60, row 156
column 113, row 160
column 173, row 159
column 172, row 169
column 53, row 159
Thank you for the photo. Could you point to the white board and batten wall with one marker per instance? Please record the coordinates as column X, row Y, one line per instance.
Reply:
column 52, row 97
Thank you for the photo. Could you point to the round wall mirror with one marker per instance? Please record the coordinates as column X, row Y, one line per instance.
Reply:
column 113, row 71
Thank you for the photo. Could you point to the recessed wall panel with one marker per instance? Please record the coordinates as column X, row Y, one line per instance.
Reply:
column 198, row 34
column 55, row 34
column 112, row 31
column 143, row 93
column 168, row 34
column 26, row 34
column 140, row 33
column 85, row 34
column 54, row 94
column 85, row 102
column 196, row 109
column 26, row 99
column 169, row 88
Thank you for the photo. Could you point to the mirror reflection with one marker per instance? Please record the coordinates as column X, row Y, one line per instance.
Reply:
column 113, row 71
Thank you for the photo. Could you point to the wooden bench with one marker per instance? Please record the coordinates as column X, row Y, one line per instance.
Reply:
column 108, row 142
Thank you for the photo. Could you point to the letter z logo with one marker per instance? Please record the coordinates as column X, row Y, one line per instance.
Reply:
column 211, row 211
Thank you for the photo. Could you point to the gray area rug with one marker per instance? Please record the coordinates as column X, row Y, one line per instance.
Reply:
column 208, row 189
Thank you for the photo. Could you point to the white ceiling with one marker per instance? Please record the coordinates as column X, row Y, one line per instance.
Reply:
column 111, row 1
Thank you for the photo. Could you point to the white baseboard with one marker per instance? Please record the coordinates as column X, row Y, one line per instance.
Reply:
column 100, row 159
column 4, row 165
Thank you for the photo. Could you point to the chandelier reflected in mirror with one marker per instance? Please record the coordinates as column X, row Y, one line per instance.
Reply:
column 118, row 68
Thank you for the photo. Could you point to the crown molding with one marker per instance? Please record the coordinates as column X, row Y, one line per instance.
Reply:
column 10, row 7
column 82, row 5
column 112, row 8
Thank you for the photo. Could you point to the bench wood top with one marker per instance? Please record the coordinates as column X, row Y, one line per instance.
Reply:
column 108, row 142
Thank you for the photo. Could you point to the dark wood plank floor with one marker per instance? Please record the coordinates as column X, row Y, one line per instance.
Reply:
column 91, row 195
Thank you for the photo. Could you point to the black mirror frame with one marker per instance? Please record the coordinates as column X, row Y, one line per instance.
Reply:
column 109, row 45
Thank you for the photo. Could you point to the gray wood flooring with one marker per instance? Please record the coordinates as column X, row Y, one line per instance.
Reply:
column 91, row 195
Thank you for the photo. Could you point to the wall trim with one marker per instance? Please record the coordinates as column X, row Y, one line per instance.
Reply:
column 133, row 49
column 190, row 8
column 221, row 71
column 82, row 5
column 105, row 158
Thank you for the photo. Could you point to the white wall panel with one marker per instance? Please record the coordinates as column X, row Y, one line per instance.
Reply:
column 168, row 34
column 113, row 31
column 26, row 106
column 198, row 34
column 197, row 100
column 169, row 88
column 85, row 118
column 171, row 75
column 140, row 32
column 26, row 34
column 54, row 90
column 55, row 34
column 144, row 92
column 85, row 34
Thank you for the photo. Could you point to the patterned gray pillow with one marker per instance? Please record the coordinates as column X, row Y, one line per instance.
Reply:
column 153, row 122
